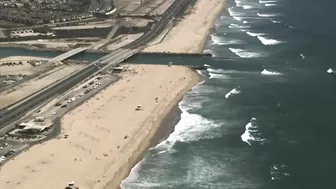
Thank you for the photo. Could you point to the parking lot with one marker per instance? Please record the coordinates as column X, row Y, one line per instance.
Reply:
column 8, row 149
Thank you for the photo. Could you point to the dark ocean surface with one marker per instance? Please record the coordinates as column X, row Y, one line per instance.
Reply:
column 264, row 117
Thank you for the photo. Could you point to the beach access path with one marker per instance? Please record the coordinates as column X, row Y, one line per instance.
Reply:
column 106, row 135
column 190, row 33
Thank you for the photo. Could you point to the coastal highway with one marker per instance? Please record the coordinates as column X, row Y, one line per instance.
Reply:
column 13, row 113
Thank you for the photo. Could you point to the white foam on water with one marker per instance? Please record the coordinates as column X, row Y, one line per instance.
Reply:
column 267, row 1
column 267, row 41
column 238, row 3
column 219, row 71
column 238, row 26
column 270, row 4
column 254, row 34
column 233, row 92
column 278, row 171
column 246, row 54
column 247, row 7
column 237, row 18
column 275, row 21
column 267, row 15
column 191, row 126
column 216, row 39
column 210, row 51
column 133, row 176
column 220, row 41
column 302, row 56
column 235, row 15
column 199, row 72
column 247, row 136
column 218, row 76
column 267, row 72
column 330, row 70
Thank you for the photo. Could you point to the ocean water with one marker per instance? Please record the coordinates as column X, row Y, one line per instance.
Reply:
column 264, row 116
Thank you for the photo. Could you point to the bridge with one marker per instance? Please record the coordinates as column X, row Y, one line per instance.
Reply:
column 69, row 54
column 21, row 108
column 78, row 50
column 103, row 42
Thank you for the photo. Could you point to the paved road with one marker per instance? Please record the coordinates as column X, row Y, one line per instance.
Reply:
column 94, row 46
column 103, row 42
column 8, row 115
column 69, row 54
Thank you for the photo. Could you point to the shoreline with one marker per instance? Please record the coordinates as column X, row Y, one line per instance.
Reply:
column 189, row 35
column 152, row 126
column 165, row 127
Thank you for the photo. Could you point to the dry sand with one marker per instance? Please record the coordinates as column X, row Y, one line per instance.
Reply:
column 188, row 35
column 21, row 58
column 25, row 69
column 90, row 155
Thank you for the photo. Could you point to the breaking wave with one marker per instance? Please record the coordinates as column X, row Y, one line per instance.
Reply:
column 215, row 70
column 209, row 51
column 251, row 133
column 246, row 54
column 267, row 1
column 220, row 41
column 238, row 26
column 270, row 4
column 218, row 76
column 267, row 41
column 191, row 127
column 267, row 15
column 267, row 72
column 275, row 21
column 233, row 92
column 254, row 34
column 247, row 7
column 235, row 15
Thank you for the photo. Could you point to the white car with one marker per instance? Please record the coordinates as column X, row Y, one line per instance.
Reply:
column 53, row 113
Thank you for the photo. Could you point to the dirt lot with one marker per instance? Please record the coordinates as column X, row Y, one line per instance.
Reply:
column 17, row 68
column 20, row 91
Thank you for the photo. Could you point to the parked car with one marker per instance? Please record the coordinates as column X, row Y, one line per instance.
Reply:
column 3, row 146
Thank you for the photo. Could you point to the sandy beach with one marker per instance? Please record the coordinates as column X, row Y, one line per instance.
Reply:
column 189, row 35
column 107, row 135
